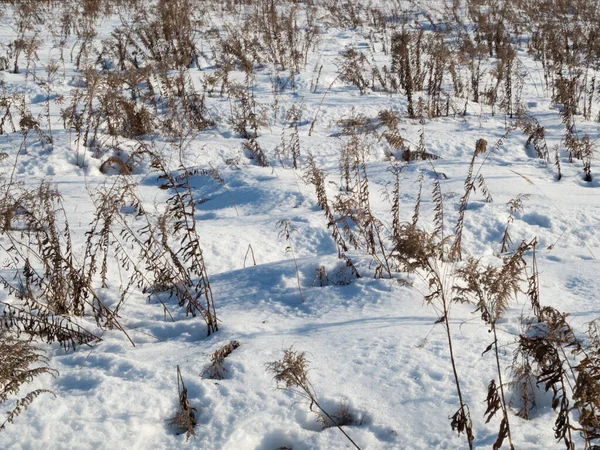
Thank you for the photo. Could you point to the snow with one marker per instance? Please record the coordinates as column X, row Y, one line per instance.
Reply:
column 373, row 344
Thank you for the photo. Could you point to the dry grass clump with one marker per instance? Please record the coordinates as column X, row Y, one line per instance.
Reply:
column 168, row 260
column 316, row 177
column 217, row 370
column 550, row 354
column 48, row 277
column 185, row 419
column 291, row 373
column 36, row 320
column 342, row 416
column 20, row 364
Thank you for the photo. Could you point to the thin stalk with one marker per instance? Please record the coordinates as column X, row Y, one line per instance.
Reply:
column 502, row 397
column 446, row 319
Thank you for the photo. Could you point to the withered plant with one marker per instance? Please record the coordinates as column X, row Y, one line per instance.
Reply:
column 285, row 230
column 20, row 364
column 537, row 136
column 491, row 288
column 217, row 370
column 429, row 256
column 185, row 419
column 342, row 416
column 473, row 180
column 321, row 276
column 317, row 178
column 586, row 392
column 291, row 374
column 185, row 265
column 405, row 50
column 161, row 253
column 514, row 205
column 49, row 281
column 353, row 206
column 169, row 37
column 290, row 148
column 550, row 354
column 246, row 120
column 35, row 320
column 353, row 67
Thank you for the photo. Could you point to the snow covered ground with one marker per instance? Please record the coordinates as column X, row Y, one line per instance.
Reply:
column 373, row 345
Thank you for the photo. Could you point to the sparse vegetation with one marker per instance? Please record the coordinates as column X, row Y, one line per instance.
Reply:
column 20, row 364
column 291, row 373
column 147, row 107
column 185, row 419
column 217, row 370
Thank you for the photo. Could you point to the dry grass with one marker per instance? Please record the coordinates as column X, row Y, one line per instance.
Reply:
column 135, row 86
column 217, row 370
column 291, row 373
column 20, row 364
column 185, row 419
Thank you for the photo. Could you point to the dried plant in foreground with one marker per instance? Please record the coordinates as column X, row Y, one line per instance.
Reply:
column 38, row 321
column 16, row 358
column 550, row 354
column 185, row 419
column 429, row 257
column 216, row 370
column 291, row 374
column 491, row 288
